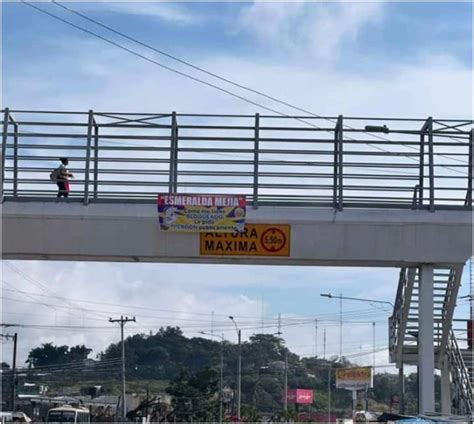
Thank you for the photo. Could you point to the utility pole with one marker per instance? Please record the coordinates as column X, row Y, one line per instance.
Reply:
column 315, row 338
column 329, row 394
column 279, row 324
column 285, row 402
column 221, row 383
column 239, row 375
column 324, row 344
column 221, row 372
column 122, row 321
column 13, row 379
column 239, row 367
column 15, row 338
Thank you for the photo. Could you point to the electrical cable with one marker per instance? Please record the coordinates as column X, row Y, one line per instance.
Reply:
column 205, row 71
column 192, row 77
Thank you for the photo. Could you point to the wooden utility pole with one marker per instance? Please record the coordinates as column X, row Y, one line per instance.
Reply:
column 13, row 388
column 13, row 378
column 122, row 321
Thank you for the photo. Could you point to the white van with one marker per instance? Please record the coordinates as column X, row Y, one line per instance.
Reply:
column 68, row 414
column 6, row 417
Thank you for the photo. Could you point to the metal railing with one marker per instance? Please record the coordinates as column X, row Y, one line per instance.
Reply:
column 403, row 323
column 461, row 380
column 338, row 162
column 399, row 319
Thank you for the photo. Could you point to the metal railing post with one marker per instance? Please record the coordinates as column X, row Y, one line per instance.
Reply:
column 15, row 157
column 175, row 176
column 469, row 171
column 431, row 163
column 96, row 160
column 255, row 160
column 6, row 119
column 421, row 179
column 335, row 167
column 340, row 161
column 171, row 183
column 90, row 124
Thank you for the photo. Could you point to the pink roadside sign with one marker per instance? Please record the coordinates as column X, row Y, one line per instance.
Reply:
column 300, row 396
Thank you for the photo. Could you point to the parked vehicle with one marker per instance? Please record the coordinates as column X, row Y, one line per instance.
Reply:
column 6, row 417
column 68, row 414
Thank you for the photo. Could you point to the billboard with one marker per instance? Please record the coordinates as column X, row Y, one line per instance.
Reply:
column 300, row 396
column 201, row 212
column 353, row 378
column 254, row 240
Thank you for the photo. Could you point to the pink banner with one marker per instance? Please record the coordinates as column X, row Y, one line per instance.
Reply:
column 300, row 396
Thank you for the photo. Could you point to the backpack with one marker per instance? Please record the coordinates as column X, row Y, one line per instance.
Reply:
column 55, row 174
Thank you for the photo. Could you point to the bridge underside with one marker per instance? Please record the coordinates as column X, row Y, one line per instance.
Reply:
column 323, row 237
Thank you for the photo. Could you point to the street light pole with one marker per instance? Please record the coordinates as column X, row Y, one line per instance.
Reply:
column 373, row 347
column 340, row 327
column 239, row 367
column 221, row 377
column 358, row 299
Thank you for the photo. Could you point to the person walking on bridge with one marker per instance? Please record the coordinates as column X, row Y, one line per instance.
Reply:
column 63, row 175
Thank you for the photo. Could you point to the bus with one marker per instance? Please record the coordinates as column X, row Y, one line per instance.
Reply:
column 68, row 414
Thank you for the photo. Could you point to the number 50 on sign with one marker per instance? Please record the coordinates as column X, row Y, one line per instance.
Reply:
column 255, row 240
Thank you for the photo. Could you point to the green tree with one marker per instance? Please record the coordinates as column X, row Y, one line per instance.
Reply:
column 195, row 397
column 47, row 354
column 78, row 353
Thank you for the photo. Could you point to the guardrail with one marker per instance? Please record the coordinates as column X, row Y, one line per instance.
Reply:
column 337, row 162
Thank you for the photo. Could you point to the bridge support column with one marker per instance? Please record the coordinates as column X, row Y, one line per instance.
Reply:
column 445, row 388
column 426, row 342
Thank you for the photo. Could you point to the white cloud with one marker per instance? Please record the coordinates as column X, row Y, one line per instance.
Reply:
column 110, row 80
column 184, row 295
column 170, row 12
column 310, row 29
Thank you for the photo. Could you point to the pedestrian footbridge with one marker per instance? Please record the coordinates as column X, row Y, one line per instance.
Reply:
column 318, row 236
column 348, row 191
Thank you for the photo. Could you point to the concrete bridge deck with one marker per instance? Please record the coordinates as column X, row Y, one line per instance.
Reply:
column 319, row 236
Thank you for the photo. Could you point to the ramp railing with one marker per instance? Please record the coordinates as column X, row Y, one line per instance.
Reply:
column 338, row 162
column 461, row 382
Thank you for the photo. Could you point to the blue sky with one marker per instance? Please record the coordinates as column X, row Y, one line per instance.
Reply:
column 401, row 32
column 350, row 58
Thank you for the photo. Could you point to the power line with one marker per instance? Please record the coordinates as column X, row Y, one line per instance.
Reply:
column 212, row 74
column 183, row 74
column 168, row 68
column 304, row 319
column 41, row 285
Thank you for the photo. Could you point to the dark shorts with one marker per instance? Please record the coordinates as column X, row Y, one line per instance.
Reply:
column 63, row 188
